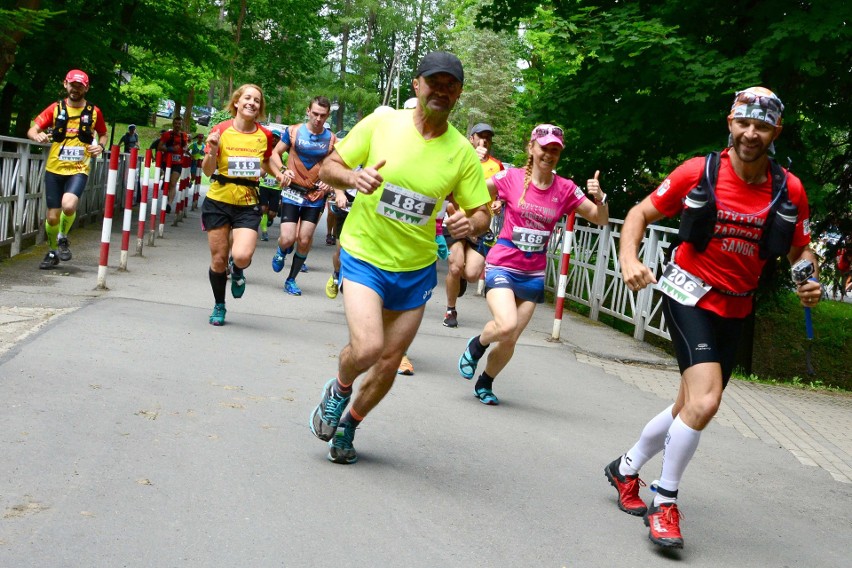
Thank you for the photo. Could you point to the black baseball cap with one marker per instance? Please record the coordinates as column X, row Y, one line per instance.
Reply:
column 441, row 62
column 481, row 127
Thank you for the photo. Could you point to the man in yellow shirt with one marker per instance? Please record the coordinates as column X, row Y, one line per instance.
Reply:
column 412, row 160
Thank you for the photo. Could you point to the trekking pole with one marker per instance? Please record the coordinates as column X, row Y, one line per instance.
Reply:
column 801, row 272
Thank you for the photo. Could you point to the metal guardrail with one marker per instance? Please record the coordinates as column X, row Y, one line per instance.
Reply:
column 22, row 200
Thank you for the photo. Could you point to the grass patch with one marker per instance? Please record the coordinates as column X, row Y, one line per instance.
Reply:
column 780, row 344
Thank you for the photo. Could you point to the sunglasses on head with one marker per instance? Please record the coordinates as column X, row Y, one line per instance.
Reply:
column 770, row 102
column 542, row 131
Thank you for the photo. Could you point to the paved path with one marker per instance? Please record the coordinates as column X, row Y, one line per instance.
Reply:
column 135, row 434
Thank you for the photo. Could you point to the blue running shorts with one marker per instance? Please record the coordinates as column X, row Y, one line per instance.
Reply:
column 400, row 291
column 527, row 288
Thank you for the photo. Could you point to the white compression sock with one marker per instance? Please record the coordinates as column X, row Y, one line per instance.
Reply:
column 650, row 443
column 680, row 447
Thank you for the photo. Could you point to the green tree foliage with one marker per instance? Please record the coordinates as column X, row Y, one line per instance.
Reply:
column 492, row 78
column 642, row 85
column 111, row 40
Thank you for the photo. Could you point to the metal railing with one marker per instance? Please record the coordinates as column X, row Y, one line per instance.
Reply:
column 22, row 199
column 594, row 276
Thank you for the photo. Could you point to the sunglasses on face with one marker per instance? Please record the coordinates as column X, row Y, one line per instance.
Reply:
column 764, row 101
column 544, row 131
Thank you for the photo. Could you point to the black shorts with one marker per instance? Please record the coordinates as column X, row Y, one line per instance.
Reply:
column 56, row 185
column 340, row 216
column 270, row 197
column 481, row 244
column 292, row 213
column 215, row 214
column 700, row 336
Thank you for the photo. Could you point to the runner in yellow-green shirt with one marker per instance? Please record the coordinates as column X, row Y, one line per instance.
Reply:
column 412, row 160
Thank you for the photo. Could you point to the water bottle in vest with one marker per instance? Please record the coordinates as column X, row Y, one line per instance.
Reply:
column 698, row 219
column 781, row 229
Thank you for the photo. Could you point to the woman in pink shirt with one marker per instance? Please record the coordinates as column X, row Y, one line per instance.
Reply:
column 534, row 198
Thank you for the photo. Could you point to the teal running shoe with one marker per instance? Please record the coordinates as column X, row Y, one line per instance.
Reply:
column 238, row 285
column 292, row 288
column 486, row 396
column 217, row 318
column 467, row 362
column 326, row 416
column 340, row 448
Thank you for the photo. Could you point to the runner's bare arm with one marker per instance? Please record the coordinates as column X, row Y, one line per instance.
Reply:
column 336, row 173
column 635, row 274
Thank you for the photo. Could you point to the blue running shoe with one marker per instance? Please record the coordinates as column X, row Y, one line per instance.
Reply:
column 278, row 260
column 467, row 362
column 292, row 288
column 486, row 396
column 326, row 416
column 304, row 268
column 217, row 318
column 340, row 448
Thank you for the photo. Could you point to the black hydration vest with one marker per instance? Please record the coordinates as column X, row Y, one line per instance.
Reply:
column 697, row 226
column 85, row 132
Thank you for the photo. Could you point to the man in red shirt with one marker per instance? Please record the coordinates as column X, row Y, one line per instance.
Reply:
column 709, row 288
column 78, row 133
column 174, row 142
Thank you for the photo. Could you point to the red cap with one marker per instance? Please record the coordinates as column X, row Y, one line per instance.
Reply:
column 77, row 76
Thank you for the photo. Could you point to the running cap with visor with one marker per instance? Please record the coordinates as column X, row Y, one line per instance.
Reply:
column 410, row 103
column 131, row 126
column 546, row 134
column 481, row 127
column 77, row 76
column 441, row 62
column 758, row 103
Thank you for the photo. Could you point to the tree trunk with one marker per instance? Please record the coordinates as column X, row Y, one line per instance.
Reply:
column 344, row 60
column 9, row 45
column 237, row 34
column 7, row 97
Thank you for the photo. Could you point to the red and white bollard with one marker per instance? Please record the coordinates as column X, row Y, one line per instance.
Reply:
column 196, row 188
column 129, row 190
column 143, row 202
column 567, row 244
column 187, row 186
column 155, row 199
column 165, row 191
column 109, row 205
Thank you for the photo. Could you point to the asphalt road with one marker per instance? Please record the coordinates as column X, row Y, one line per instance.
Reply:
column 135, row 434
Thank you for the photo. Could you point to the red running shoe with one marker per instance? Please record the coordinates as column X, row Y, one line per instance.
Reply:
column 664, row 522
column 628, row 489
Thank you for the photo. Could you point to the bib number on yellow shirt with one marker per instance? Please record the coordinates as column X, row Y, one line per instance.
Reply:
column 681, row 286
column 404, row 205
column 243, row 166
column 529, row 240
column 72, row 154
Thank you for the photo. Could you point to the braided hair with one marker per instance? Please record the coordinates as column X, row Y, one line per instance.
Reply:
column 527, row 176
